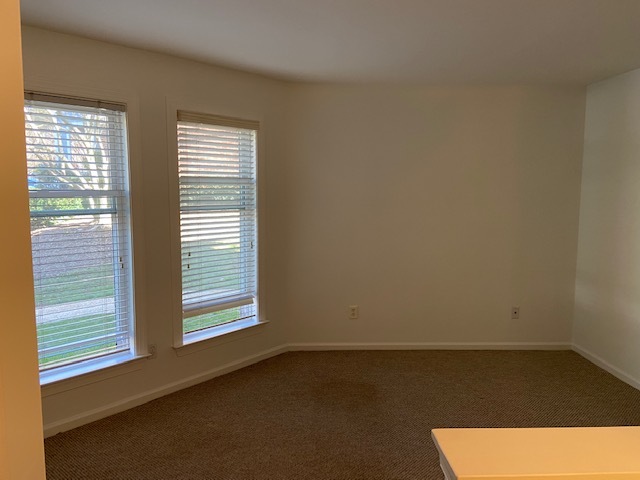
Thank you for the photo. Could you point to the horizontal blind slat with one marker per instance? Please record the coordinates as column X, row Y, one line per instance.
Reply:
column 39, row 98
column 77, row 174
column 216, row 120
column 217, row 186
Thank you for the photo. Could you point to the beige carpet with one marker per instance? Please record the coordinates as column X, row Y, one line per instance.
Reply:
column 339, row 415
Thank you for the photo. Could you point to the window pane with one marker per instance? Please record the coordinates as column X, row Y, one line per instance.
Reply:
column 217, row 255
column 76, row 158
column 217, row 175
column 215, row 319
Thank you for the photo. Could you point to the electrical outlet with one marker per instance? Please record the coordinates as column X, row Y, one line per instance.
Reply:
column 354, row 312
column 152, row 351
column 515, row 313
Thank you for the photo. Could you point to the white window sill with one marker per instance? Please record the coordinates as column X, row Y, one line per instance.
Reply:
column 65, row 378
column 197, row 341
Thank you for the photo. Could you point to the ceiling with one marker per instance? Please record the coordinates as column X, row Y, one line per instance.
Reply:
column 382, row 41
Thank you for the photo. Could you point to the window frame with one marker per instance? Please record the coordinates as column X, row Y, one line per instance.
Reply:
column 67, row 377
column 191, row 342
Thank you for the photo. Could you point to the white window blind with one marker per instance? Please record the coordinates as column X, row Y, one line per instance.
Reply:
column 78, row 175
column 217, row 180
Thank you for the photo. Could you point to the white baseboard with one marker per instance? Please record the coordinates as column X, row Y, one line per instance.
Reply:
column 429, row 346
column 53, row 428
column 600, row 362
column 130, row 402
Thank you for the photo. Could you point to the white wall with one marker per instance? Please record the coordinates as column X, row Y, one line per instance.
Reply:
column 21, row 450
column 76, row 64
column 607, row 304
column 433, row 209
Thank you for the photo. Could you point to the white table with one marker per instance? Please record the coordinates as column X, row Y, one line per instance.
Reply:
column 600, row 453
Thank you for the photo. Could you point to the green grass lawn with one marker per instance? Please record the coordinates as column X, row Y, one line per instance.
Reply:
column 82, row 284
column 54, row 334
column 210, row 320
column 95, row 283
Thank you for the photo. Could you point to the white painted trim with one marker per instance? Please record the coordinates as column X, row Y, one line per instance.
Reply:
column 136, row 400
column 173, row 104
column 232, row 334
column 600, row 362
column 129, row 97
column 430, row 346
column 98, row 369
column 133, row 401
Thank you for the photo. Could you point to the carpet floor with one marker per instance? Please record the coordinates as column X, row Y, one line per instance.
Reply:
column 339, row 415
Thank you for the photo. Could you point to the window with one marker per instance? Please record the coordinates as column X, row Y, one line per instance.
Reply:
column 218, row 229
column 80, row 229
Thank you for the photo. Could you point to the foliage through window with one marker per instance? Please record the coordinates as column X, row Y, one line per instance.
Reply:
column 217, row 182
column 77, row 176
